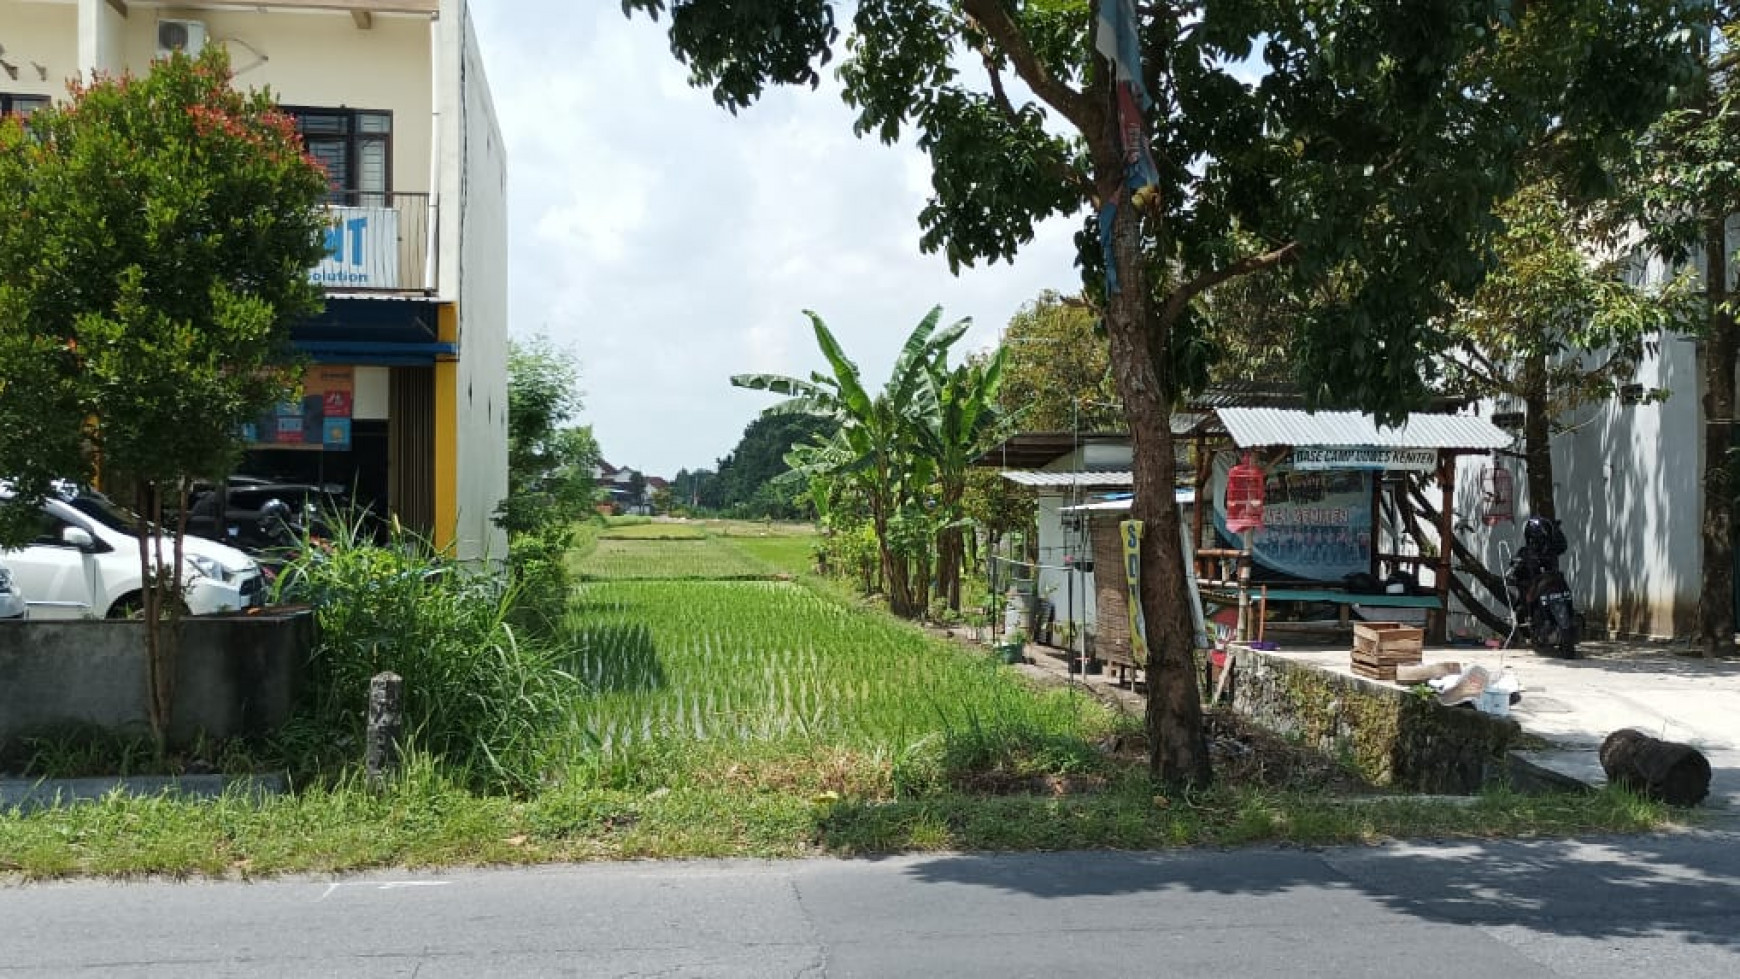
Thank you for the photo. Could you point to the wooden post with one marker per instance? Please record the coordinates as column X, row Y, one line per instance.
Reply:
column 1244, row 629
column 1446, row 551
column 1377, row 524
column 386, row 721
column 1204, row 476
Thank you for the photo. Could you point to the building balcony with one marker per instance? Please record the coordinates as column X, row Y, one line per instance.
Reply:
column 379, row 242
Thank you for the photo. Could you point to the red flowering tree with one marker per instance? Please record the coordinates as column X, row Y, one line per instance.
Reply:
column 156, row 248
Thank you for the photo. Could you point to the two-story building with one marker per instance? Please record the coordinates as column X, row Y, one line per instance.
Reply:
column 406, row 403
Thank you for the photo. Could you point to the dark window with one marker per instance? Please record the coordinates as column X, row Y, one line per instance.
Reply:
column 356, row 148
column 24, row 105
column 48, row 530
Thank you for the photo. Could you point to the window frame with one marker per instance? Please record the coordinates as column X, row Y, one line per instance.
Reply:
column 354, row 137
column 9, row 103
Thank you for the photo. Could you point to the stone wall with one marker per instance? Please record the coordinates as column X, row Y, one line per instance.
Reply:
column 1392, row 737
column 236, row 675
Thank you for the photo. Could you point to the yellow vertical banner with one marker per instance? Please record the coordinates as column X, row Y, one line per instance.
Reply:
column 1130, row 531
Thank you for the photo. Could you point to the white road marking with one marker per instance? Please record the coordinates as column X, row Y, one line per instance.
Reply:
column 383, row 885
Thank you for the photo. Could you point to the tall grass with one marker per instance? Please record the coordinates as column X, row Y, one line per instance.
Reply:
column 482, row 697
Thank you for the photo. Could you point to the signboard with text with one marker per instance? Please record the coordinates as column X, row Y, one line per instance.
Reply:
column 362, row 249
column 1317, row 524
column 1364, row 457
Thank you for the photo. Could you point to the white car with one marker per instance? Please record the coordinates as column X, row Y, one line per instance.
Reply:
column 12, row 606
column 84, row 562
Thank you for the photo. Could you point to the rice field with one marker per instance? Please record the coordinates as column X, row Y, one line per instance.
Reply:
column 654, row 531
column 670, row 659
column 692, row 559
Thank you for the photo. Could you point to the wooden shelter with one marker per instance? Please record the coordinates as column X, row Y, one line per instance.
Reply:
column 1343, row 449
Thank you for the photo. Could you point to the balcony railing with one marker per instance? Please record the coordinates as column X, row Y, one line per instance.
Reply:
column 378, row 242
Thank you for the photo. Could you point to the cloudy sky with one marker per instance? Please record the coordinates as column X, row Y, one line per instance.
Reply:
column 670, row 245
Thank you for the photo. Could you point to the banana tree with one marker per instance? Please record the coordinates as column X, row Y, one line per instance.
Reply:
column 879, row 444
column 964, row 422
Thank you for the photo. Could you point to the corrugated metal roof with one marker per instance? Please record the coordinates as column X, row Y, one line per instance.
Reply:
column 1253, row 427
column 1070, row 480
column 1185, row 496
column 1030, row 450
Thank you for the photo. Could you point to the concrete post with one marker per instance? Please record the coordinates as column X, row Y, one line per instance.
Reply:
column 386, row 721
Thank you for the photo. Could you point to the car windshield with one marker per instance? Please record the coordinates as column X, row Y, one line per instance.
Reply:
column 107, row 512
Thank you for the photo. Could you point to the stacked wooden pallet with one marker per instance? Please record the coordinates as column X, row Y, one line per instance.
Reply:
column 1380, row 647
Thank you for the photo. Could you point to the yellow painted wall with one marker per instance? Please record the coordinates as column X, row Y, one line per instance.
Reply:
column 449, row 533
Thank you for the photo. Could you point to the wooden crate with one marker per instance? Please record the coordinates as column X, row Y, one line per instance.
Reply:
column 1380, row 647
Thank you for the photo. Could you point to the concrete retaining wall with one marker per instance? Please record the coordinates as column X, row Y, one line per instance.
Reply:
column 236, row 675
column 1391, row 736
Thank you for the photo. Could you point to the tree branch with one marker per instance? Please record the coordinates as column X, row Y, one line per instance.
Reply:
column 1182, row 296
column 1491, row 374
column 1058, row 169
column 1001, row 28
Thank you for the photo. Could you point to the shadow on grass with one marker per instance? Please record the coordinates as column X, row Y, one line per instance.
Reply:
column 616, row 658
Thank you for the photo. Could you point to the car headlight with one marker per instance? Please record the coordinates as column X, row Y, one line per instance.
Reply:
column 205, row 567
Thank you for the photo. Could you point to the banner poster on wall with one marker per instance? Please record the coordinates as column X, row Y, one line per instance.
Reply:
column 1130, row 534
column 1316, row 524
column 321, row 420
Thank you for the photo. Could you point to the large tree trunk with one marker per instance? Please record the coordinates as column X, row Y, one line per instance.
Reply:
column 1178, row 752
column 1537, row 438
column 1716, row 600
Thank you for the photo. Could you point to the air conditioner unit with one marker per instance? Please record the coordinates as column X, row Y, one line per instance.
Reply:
column 187, row 36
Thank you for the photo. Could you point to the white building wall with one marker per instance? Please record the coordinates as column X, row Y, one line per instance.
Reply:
column 1626, row 479
column 40, row 34
column 479, row 185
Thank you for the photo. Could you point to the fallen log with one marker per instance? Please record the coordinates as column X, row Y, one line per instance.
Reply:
column 1677, row 774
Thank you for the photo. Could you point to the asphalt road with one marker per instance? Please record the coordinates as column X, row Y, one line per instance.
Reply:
column 1654, row 906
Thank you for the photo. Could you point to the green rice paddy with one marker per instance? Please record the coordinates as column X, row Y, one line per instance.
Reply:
column 765, row 660
column 706, row 644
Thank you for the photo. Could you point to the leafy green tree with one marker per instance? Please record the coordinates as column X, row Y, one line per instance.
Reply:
column 749, row 471
column 550, row 478
column 549, row 461
column 1555, row 324
column 1056, row 377
column 158, row 239
column 1359, row 170
column 1692, row 188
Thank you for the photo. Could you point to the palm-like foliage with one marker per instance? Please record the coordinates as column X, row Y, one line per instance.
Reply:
column 896, row 446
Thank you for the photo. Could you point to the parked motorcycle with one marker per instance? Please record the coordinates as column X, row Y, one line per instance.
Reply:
column 1540, row 595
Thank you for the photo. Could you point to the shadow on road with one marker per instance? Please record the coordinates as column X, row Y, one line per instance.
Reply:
column 1686, row 885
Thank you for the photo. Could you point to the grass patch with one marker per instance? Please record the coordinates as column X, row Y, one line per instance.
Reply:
column 791, row 553
column 426, row 820
column 654, row 531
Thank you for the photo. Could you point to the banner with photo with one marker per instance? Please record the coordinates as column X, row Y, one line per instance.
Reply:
column 321, row 420
column 1316, row 524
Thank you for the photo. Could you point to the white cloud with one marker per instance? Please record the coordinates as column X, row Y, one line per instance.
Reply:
column 673, row 245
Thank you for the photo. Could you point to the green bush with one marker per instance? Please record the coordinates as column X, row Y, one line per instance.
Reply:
column 538, row 567
column 482, row 696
